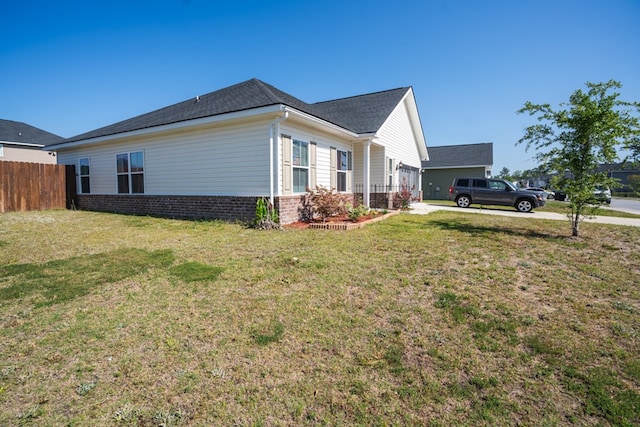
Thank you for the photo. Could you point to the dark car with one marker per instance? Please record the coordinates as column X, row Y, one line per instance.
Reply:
column 487, row 191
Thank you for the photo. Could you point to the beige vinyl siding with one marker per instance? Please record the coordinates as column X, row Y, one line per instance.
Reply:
column 230, row 160
column 398, row 138
column 377, row 168
column 29, row 155
column 323, row 143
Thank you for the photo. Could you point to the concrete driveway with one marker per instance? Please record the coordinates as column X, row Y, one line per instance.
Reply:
column 427, row 208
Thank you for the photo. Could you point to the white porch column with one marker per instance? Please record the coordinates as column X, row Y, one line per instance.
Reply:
column 366, row 169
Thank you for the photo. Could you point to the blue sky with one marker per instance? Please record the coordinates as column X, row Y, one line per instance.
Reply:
column 69, row 67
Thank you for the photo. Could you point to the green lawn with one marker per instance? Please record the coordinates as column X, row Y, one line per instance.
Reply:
column 445, row 319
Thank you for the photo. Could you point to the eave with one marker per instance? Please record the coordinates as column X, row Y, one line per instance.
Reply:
column 24, row 144
column 272, row 110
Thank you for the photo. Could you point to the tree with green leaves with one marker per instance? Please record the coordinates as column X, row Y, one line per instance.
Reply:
column 579, row 136
column 504, row 173
column 634, row 180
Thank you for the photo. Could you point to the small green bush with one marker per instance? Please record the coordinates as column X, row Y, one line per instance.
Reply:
column 356, row 212
column 266, row 216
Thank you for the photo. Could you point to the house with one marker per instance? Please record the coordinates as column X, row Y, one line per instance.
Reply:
column 621, row 172
column 213, row 156
column 20, row 142
column 450, row 161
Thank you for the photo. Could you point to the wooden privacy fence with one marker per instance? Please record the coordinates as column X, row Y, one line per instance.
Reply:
column 36, row 186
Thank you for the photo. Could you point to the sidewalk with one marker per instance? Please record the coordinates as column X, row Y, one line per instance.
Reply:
column 427, row 208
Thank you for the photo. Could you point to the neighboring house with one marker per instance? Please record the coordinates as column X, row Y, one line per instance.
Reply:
column 622, row 172
column 619, row 171
column 212, row 156
column 20, row 142
column 450, row 161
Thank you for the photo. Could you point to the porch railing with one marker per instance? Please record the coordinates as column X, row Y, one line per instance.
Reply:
column 381, row 189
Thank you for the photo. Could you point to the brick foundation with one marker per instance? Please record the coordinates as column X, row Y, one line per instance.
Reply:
column 292, row 208
column 379, row 200
column 227, row 208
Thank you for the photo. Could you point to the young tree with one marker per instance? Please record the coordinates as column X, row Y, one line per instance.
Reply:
column 575, row 139
column 504, row 173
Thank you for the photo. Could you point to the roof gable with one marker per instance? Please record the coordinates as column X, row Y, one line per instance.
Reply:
column 22, row 133
column 358, row 114
column 363, row 113
column 460, row 155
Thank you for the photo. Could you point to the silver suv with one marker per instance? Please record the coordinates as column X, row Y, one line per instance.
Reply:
column 487, row 191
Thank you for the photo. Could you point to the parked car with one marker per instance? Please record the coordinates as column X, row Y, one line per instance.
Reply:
column 559, row 195
column 602, row 194
column 547, row 193
column 486, row 191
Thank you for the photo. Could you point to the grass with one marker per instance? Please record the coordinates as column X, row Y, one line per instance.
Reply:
column 445, row 319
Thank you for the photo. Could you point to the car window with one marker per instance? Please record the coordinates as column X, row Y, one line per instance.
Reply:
column 463, row 182
column 497, row 185
column 480, row 183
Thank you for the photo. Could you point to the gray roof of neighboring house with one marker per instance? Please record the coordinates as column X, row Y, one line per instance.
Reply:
column 359, row 114
column 22, row 133
column 465, row 155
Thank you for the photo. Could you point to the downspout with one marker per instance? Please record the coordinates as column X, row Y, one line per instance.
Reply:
column 274, row 128
column 366, row 178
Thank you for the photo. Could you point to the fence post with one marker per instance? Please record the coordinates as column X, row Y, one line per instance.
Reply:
column 71, row 187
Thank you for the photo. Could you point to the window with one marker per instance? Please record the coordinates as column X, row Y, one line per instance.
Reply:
column 344, row 165
column 389, row 173
column 480, row 183
column 85, row 186
column 300, row 160
column 497, row 185
column 130, row 172
column 1, row 151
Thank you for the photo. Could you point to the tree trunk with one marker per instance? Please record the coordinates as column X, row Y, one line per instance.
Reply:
column 575, row 222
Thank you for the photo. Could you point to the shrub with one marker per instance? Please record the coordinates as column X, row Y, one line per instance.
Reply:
column 403, row 198
column 355, row 212
column 327, row 202
column 266, row 216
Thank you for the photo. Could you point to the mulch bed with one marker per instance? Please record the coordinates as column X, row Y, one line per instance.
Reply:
column 339, row 222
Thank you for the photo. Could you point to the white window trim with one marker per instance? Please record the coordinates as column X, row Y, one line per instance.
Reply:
column 129, row 173
column 346, row 171
column 80, row 175
column 294, row 166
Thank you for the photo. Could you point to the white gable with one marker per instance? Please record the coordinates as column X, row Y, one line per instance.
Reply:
column 401, row 134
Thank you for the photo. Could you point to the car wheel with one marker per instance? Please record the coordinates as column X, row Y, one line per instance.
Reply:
column 524, row 205
column 463, row 201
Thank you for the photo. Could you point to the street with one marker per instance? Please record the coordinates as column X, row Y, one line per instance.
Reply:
column 626, row 205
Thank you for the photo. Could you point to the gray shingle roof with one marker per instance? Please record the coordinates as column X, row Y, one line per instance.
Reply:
column 23, row 133
column 460, row 155
column 363, row 113
column 359, row 114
